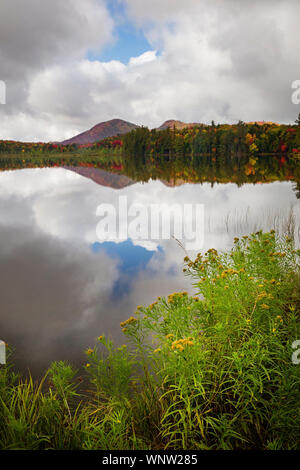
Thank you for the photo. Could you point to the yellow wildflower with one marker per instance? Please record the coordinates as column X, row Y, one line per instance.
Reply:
column 262, row 294
column 170, row 335
column 128, row 322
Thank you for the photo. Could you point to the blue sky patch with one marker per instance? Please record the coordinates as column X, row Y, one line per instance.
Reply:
column 133, row 259
column 129, row 40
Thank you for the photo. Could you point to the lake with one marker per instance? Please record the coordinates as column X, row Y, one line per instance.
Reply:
column 61, row 286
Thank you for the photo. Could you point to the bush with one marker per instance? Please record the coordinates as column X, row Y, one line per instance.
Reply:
column 213, row 371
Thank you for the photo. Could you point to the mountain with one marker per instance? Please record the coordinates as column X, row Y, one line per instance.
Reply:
column 116, row 127
column 178, row 124
column 101, row 131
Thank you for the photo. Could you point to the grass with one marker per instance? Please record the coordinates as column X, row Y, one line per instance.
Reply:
column 213, row 371
column 286, row 221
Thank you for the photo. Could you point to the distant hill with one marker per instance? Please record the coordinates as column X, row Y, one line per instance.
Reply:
column 101, row 131
column 178, row 124
column 116, row 127
column 262, row 123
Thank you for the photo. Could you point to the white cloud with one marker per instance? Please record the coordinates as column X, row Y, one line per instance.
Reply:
column 145, row 58
column 217, row 60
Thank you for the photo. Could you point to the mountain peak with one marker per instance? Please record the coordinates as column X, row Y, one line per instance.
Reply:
column 170, row 123
column 102, row 130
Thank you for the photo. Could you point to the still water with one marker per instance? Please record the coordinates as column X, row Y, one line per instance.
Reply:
column 61, row 287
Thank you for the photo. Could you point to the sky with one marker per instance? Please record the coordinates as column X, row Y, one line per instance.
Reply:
column 70, row 65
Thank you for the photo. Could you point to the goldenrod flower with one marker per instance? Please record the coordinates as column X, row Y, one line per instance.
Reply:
column 262, row 294
column 128, row 322
column 180, row 343
column 170, row 335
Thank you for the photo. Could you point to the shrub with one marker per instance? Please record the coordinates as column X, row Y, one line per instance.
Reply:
column 212, row 371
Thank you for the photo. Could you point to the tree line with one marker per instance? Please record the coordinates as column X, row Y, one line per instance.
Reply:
column 214, row 140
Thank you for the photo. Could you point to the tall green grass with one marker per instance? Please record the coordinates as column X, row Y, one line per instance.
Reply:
column 213, row 371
